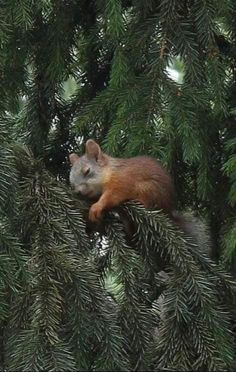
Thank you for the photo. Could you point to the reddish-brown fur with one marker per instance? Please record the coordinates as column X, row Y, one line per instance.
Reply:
column 142, row 179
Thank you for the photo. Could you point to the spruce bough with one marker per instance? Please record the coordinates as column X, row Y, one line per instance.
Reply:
column 72, row 298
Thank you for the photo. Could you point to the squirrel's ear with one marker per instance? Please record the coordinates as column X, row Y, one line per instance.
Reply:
column 93, row 150
column 73, row 157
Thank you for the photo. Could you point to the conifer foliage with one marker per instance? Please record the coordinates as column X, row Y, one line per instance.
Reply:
column 71, row 297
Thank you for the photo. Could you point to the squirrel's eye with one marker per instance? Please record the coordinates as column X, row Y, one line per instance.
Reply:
column 86, row 171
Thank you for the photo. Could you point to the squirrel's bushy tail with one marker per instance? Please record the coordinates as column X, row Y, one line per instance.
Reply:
column 195, row 229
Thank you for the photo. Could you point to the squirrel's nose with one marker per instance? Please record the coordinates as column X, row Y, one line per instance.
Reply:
column 81, row 189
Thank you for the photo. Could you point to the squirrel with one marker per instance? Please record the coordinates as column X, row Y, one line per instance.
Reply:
column 111, row 181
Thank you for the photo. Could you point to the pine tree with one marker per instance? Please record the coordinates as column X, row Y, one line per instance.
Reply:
column 168, row 305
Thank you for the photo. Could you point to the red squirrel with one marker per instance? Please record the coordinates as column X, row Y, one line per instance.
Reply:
column 111, row 181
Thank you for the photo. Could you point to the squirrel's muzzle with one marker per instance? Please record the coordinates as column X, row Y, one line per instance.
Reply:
column 84, row 190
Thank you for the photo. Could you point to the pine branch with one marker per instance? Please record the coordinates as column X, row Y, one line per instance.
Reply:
column 199, row 296
column 135, row 318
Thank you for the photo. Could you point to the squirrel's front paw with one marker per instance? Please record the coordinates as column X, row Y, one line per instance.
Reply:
column 95, row 213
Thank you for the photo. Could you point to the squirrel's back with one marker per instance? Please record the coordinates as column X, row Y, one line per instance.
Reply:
column 143, row 178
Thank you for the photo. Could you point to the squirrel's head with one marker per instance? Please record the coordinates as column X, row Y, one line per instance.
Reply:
column 87, row 171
